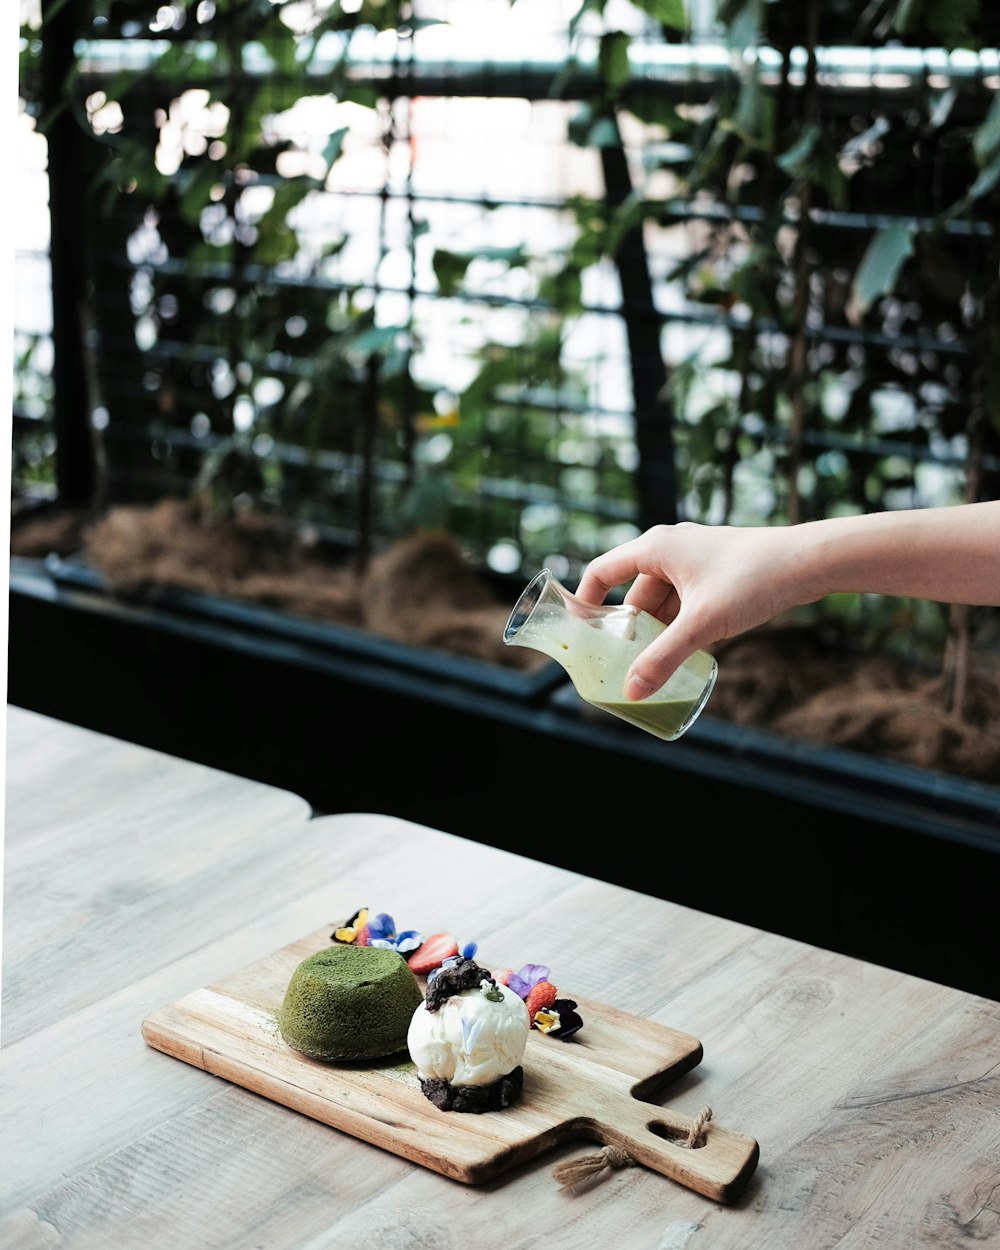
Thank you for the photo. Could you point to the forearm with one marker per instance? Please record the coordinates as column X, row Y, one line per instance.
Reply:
column 951, row 555
column 707, row 583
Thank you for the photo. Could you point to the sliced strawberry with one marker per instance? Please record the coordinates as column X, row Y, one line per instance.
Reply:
column 542, row 995
column 433, row 953
column 361, row 938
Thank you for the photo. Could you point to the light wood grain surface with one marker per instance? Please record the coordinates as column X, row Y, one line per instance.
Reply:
column 132, row 880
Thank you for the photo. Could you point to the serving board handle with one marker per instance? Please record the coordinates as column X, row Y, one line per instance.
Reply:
column 717, row 1164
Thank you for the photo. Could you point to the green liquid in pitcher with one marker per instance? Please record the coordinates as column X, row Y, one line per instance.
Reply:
column 665, row 718
column 597, row 660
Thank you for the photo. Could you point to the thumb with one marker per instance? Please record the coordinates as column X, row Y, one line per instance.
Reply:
column 655, row 664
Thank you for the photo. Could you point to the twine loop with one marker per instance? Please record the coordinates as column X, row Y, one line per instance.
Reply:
column 595, row 1167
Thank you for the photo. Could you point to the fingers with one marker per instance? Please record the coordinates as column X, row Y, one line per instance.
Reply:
column 657, row 662
column 593, row 586
column 656, row 596
column 616, row 566
column 653, row 563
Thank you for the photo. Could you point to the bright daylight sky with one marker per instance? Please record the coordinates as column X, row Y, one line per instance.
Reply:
column 8, row 82
column 8, row 79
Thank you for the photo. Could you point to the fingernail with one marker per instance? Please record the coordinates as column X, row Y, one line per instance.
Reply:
column 637, row 687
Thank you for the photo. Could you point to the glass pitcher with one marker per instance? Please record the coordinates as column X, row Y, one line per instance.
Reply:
column 596, row 645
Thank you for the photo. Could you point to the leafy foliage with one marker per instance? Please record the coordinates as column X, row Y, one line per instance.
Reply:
column 838, row 248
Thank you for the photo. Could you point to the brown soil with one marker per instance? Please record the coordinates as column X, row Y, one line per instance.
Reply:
column 786, row 678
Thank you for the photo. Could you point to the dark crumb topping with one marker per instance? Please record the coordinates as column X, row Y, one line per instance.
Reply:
column 452, row 978
column 475, row 1098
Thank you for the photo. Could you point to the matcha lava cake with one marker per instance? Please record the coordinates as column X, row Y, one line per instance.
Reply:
column 350, row 1002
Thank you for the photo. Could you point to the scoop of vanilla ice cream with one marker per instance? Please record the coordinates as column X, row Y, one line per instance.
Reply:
column 470, row 1039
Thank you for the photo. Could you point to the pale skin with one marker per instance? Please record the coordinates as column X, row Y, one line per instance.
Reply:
column 711, row 582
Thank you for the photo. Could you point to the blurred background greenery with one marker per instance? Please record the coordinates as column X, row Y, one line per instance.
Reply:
column 540, row 274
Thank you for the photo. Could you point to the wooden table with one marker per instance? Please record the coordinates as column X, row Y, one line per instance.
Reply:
column 133, row 879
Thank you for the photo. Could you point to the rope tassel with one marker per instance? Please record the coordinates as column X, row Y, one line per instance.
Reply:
column 608, row 1159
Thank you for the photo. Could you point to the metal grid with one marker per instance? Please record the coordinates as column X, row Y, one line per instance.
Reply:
column 364, row 348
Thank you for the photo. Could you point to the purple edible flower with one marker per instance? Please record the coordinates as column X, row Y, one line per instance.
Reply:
column 382, row 932
column 523, row 982
column 569, row 1019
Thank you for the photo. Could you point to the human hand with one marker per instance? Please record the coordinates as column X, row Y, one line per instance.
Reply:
column 704, row 582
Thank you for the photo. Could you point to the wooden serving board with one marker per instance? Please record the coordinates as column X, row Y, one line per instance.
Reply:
column 594, row 1087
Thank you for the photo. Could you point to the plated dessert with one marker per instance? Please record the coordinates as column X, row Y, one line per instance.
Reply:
column 361, row 999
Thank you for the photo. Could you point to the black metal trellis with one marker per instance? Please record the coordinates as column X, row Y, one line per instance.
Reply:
column 153, row 450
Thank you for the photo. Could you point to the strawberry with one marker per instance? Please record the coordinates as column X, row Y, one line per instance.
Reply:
column 503, row 976
column 540, row 996
column 361, row 937
column 433, row 953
